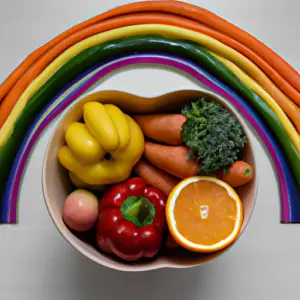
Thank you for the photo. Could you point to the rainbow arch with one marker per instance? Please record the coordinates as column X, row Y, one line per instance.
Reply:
column 232, row 62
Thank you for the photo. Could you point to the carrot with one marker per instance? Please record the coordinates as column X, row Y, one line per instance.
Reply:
column 164, row 128
column 273, row 65
column 238, row 174
column 155, row 177
column 21, row 77
column 172, row 159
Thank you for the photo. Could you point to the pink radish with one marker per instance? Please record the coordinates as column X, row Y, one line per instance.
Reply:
column 80, row 211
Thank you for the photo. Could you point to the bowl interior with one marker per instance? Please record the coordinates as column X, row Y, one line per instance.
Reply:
column 57, row 186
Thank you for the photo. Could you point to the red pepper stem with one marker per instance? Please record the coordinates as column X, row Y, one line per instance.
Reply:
column 138, row 210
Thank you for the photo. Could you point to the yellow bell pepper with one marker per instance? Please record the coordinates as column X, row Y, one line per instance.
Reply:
column 106, row 130
column 83, row 185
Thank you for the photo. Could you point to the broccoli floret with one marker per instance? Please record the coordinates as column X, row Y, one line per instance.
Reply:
column 213, row 135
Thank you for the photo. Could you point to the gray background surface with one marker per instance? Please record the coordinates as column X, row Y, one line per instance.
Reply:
column 35, row 261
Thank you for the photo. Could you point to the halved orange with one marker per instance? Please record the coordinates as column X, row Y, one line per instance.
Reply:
column 204, row 214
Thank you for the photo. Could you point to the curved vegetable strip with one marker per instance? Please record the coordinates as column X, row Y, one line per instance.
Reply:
column 36, row 68
column 8, row 211
column 177, row 8
column 172, row 31
column 89, row 57
column 289, row 191
column 256, row 88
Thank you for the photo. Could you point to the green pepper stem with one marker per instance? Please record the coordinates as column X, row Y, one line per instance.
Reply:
column 248, row 172
column 138, row 210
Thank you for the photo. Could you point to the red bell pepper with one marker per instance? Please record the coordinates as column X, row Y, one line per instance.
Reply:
column 170, row 242
column 131, row 220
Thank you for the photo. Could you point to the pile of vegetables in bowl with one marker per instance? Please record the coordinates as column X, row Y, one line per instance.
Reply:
column 146, row 182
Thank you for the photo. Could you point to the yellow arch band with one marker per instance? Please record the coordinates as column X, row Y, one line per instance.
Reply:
column 259, row 91
column 166, row 30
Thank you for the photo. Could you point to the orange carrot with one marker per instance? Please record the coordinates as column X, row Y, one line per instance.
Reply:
column 238, row 174
column 155, row 177
column 164, row 128
column 172, row 159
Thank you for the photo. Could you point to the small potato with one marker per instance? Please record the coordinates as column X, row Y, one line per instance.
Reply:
column 80, row 211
